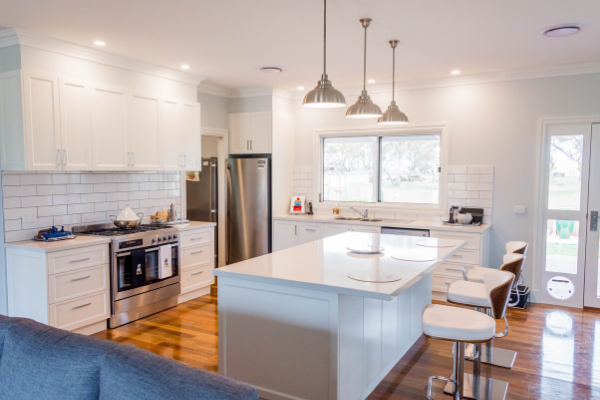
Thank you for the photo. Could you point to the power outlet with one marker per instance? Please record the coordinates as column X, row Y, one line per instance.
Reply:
column 28, row 219
column 520, row 210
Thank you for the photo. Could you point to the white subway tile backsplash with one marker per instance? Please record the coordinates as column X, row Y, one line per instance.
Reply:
column 80, row 208
column 12, row 224
column 129, row 203
column 14, row 213
column 486, row 178
column 23, row 234
column 138, row 178
column 38, row 179
column 148, row 185
column 93, row 178
column 116, row 178
column 139, row 194
column 80, row 188
column 66, row 199
column 457, row 185
column 94, row 217
column 174, row 193
column 12, row 202
column 306, row 169
column 168, row 185
column 479, row 202
column 157, row 194
column 18, row 191
column 93, row 198
column 485, row 194
column 306, row 182
column 149, row 203
column 300, row 176
column 128, row 187
column 466, row 177
column 457, row 169
column 51, row 189
column 60, row 220
column 479, row 186
column 116, row 196
column 296, row 169
column 480, row 169
column 39, row 222
column 52, row 210
column 156, row 178
column 61, row 179
column 105, row 187
column 450, row 178
column 107, row 206
column 35, row 201
column 11, row 180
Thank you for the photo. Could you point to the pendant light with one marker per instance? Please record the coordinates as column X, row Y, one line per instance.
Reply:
column 364, row 107
column 393, row 115
column 324, row 95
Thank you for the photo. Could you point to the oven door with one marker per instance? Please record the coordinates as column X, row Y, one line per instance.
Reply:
column 136, row 271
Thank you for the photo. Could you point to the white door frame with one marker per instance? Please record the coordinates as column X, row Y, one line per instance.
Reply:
column 541, row 198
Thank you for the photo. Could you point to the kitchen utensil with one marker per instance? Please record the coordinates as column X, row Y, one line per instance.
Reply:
column 127, row 218
column 365, row 249
column 464, row 218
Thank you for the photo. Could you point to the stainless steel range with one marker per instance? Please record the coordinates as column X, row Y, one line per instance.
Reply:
column 144, row 269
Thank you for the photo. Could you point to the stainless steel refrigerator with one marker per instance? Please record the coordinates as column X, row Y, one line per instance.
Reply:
column 248, row 208
column 201, row 196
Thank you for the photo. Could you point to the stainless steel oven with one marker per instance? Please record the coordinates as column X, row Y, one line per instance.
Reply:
column 141, row 285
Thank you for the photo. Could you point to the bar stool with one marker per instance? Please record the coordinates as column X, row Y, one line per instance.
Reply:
column 463, row 326
column 469, row 293
column 518, row 247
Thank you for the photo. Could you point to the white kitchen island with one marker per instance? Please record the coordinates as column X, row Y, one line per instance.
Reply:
column 295, row 326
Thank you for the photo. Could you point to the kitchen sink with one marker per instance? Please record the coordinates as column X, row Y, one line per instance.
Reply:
column 370, row 219
column 348, row 218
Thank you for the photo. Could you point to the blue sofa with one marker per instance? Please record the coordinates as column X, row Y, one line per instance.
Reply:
column 41, row 362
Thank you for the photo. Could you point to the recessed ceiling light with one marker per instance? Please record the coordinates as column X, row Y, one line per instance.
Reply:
column 561, row 30
column 300, row 87
column 99, row 43
column 455, row 72
column 371, row 81
column 270, row 70
column 185, row 66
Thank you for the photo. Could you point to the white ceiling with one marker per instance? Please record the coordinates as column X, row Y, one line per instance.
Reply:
column 227, row 40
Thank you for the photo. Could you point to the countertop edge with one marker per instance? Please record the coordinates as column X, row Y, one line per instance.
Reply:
column 69, row 244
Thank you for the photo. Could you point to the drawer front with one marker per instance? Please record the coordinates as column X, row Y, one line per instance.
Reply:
column 465, row 257
column 440, row 283
column 193, row 256
column 196, row 278
column 197, row 237
column 448, row 269
column 83, row 257
column 77, row 313
column 472, row 239
column 78, row 283
column 366, row 228
column 309, row 232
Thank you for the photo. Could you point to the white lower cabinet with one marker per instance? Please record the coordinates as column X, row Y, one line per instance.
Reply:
column 68, row 289
column 285, row 234
column 309, row 232
column 335, row 229
column 197, row 263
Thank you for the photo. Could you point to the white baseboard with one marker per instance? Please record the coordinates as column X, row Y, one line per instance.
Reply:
column 92, row 328
column 193, row 294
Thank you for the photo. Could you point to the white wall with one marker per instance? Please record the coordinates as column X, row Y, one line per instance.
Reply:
column 215, row 111
column 10, row 58
column 251, row 104
column 490, row 124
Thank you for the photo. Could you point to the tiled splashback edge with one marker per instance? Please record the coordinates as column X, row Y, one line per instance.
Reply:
column 468, row 186
column 76, row 198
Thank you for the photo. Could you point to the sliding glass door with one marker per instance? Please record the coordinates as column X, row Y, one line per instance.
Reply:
column 592, row 255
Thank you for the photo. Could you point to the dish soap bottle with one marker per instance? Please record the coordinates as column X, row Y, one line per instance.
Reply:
column 336, row 210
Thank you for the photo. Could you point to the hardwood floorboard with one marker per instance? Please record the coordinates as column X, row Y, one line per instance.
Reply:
column 558, row 351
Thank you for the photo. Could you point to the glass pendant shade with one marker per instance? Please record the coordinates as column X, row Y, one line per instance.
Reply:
column 393, row 115
column 364, row 106
column 324, row 95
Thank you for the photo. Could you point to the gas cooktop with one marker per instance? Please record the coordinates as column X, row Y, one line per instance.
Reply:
column 107, row 230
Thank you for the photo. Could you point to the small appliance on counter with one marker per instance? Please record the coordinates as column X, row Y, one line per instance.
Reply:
column 53, row 235
column 310, row 208
column 298, row 204
column 461, row 216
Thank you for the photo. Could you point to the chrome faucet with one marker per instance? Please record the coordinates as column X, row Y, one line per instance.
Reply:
column 365, row 215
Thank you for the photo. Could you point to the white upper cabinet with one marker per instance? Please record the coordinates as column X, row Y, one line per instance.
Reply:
column 109, row 129
column 250, row 133
column 144, row 132
column 56, row 123
column 42, row 121
column 190, row 134
column 75, row 124
column 171, row 135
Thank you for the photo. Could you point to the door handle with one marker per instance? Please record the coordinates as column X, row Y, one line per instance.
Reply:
column 133, row 157
column 128, row 159
column 58, row 159
column 251, row 145
column 65, row 159
column 594, row 222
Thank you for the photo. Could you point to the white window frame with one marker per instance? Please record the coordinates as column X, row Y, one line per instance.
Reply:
column 408, row 130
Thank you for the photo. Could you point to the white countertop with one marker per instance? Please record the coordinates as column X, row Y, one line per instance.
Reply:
column 49, row 247
column 194, row 225
column 324, row 264
column 394, row 223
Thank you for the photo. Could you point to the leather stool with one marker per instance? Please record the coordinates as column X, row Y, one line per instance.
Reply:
column 470, row 293
column 463, row 326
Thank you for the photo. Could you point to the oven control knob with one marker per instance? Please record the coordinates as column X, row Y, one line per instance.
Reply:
column 154, row 240
column 175, row 236
column 157, row 239
column 170, row 237
column 165, row 238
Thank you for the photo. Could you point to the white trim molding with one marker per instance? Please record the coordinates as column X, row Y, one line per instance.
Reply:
column 12, row 37
column 217, row 132
column 215, row 90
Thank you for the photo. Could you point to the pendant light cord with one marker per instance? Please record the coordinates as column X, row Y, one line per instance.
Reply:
column 365, row 64
column 325, row 38
column 393, row 72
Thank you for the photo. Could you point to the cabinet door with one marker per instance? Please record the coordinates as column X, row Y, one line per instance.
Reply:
column 240, row 133
column 144, row 132
column 260, row 142
column 75, row 125
column 42, row 122
column 285, row 235
column 366, row 228
column 189, row 118
column 109, row 129
column 335, row 229
column 171, row 135
column 309, row 232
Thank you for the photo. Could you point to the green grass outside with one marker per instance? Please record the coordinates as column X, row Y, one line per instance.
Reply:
column 561, row 249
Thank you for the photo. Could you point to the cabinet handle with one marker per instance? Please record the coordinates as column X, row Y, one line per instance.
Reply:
column 83, row 305
column 296, row 230
column 312, row 230
column 66, row 159
column 197, row 252
column 58, row 159
column 133, row 157
column 198, row 273
column 251, row 145
column 83, row 259
column 80, row 279
column 454, row 269
column 200, row 238
column 128, row 159
column 457, row 256
column 185, row 160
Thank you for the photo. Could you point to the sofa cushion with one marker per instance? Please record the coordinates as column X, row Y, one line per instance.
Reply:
column 4, row 324
column 40, row 362
column 129, row 373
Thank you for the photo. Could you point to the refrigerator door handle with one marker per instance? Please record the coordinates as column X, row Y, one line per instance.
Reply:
column 227, row 223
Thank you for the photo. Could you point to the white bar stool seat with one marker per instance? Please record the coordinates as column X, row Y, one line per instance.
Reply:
column 457, row 324
column 468, row 293
column 475, row 274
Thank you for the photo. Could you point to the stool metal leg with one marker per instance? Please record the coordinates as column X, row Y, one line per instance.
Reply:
column 456, row 386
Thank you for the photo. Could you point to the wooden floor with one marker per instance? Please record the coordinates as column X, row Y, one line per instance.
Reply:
column 559, row 351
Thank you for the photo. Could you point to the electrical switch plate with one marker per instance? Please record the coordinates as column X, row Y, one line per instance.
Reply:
column 28, row 219
column 520, row 209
